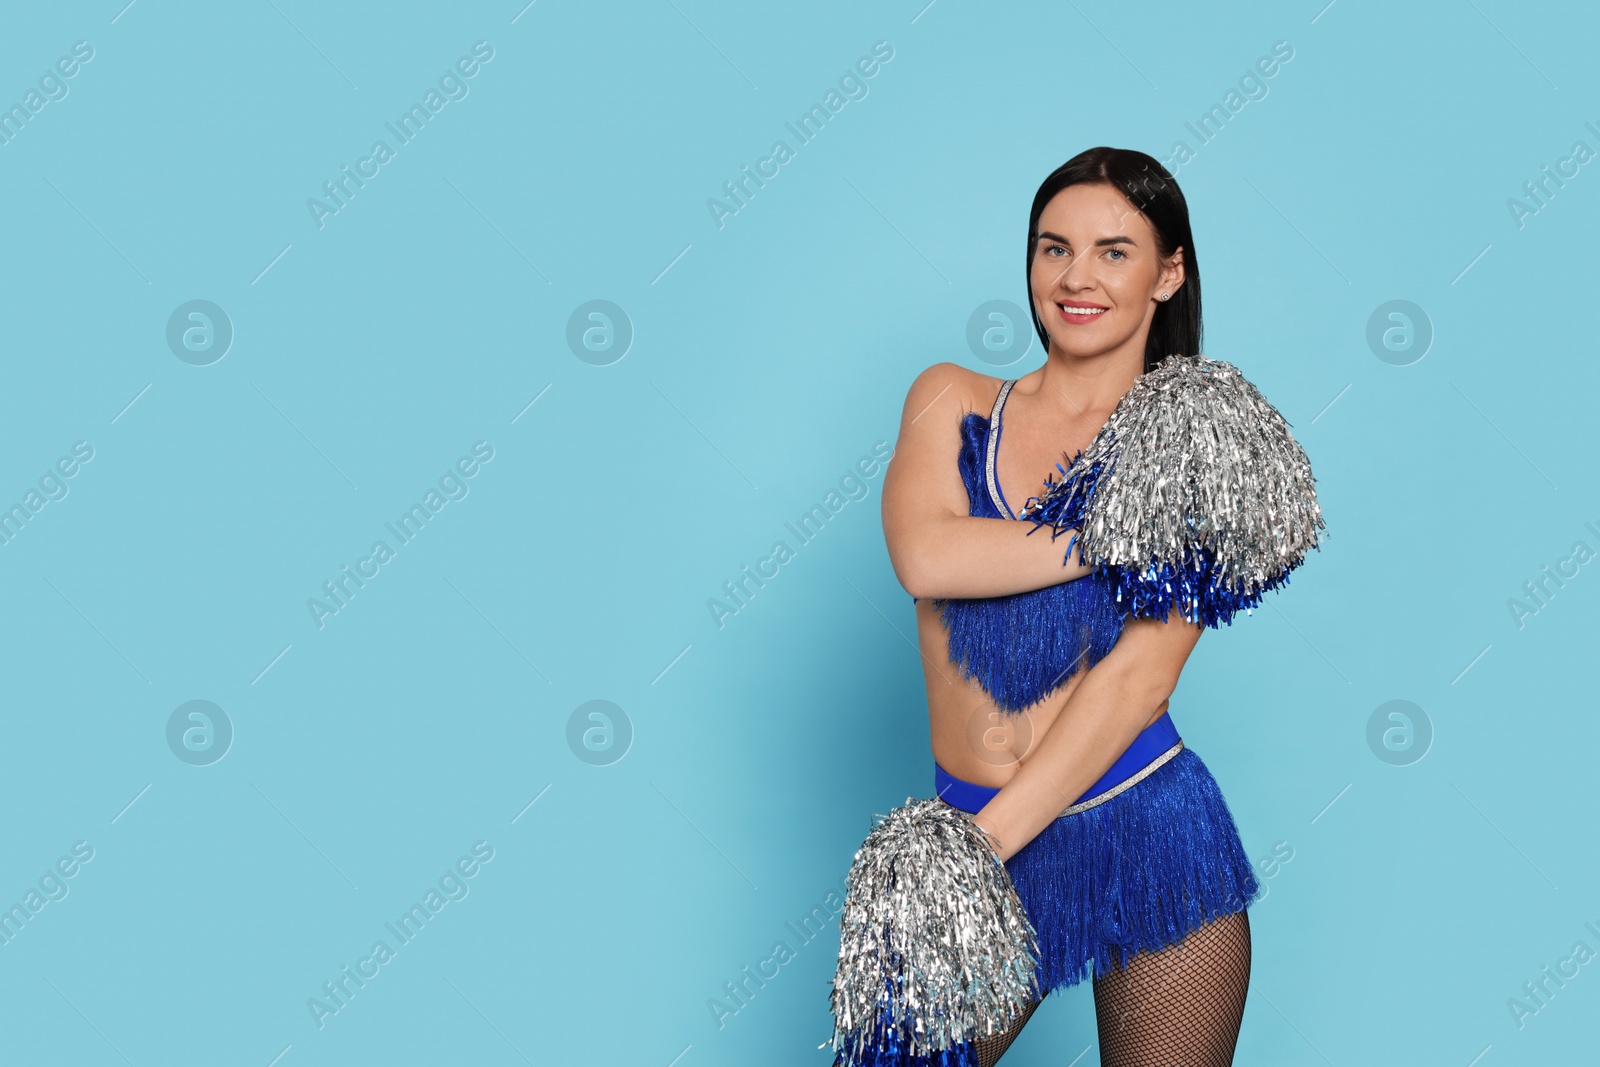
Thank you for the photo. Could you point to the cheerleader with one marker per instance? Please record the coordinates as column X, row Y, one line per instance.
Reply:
column 1072, row 833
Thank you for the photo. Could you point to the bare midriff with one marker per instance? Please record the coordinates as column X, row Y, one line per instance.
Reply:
column 971, row 736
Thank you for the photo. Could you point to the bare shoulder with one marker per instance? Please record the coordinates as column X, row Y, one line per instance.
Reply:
column 948, row 387
column 923, row 481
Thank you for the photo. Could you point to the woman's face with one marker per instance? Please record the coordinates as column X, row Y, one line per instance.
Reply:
column 1096, row 250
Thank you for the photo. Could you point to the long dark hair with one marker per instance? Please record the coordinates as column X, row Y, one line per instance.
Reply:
column 1150, row 188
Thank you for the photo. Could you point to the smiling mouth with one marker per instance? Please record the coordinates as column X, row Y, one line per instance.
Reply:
column 1081, row 314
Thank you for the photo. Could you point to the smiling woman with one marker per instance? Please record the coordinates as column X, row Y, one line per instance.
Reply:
column 1064, row 791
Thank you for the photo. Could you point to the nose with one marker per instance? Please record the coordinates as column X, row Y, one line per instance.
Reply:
column 1070, row 279
column 1074, row 280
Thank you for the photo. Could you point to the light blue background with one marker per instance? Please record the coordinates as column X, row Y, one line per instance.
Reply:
column 769, row 355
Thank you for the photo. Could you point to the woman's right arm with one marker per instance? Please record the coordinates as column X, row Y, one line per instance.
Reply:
column 937, row 549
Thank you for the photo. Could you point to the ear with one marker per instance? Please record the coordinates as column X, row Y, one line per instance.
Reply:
column 1172, row 271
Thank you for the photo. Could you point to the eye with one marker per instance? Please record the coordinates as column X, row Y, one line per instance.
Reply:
column 1117, row 251
column 1055, row 248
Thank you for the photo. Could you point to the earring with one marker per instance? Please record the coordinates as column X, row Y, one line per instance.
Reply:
column 1163, row 296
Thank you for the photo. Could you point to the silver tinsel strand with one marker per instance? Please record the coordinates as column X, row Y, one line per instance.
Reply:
column 935, row 946
column 1193, row 457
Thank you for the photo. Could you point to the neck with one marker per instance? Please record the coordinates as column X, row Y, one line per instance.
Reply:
column 1086, row 385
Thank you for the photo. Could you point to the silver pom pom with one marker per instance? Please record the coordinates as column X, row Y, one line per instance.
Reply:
column 1193, row 459
column 935, row 946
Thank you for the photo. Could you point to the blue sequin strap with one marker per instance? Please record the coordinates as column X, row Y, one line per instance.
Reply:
column 1155, row 744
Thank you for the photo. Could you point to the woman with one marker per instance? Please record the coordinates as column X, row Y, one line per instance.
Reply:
column 1044, row 695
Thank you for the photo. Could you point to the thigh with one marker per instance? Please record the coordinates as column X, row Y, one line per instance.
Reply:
column 990, row 1047
column 1179, row 1006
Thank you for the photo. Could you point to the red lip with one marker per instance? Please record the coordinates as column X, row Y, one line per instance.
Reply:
column 1077, row 304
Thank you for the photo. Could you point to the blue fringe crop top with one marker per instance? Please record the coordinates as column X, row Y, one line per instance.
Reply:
column 1023, row 646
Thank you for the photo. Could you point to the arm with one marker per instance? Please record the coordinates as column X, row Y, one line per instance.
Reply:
column 1108, row 709
column 936, row 548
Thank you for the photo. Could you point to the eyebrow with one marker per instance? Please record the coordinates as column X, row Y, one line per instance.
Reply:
column 1103, row 242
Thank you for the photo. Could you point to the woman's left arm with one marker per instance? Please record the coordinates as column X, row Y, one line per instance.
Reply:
column 1108, row 709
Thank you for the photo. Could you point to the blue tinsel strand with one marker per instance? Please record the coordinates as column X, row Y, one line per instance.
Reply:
column 1196, row 584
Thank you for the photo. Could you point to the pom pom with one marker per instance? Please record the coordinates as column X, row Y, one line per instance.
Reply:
column 1194, row 495
column 935, row 946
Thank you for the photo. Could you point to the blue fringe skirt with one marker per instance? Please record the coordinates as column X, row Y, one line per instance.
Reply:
column 1132, row 873
column 1146, row 855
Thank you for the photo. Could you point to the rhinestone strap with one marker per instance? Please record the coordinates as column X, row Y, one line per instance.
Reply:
column 994, row 444
column 1127, row 783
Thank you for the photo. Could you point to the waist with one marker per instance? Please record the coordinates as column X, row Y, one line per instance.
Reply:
column 1155, row 744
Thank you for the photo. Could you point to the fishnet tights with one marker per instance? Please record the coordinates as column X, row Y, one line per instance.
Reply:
column 1180, row 1007
column 991, row 1047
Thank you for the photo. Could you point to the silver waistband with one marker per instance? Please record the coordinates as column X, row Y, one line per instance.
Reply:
column 1127, row 783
